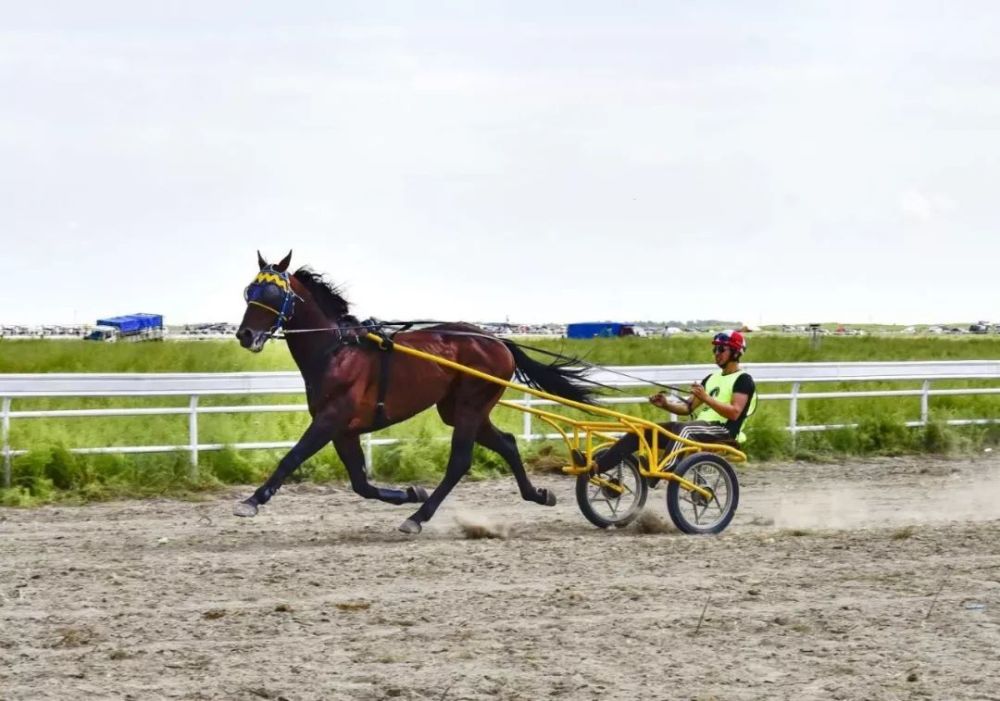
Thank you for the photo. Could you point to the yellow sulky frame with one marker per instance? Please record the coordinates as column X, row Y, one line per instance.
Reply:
column 583, row 438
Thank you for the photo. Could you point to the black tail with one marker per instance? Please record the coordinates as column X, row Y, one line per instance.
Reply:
column 557, row 378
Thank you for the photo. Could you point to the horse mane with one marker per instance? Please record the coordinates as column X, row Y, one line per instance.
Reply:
column 326, row 294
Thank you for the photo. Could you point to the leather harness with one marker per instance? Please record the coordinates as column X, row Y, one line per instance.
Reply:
column 351, row 332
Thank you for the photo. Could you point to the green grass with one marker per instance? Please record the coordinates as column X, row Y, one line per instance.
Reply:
column 51, row 472
column 227, row 356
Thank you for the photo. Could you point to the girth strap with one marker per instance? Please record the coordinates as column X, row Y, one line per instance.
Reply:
column 348, row 334
column 385, row 355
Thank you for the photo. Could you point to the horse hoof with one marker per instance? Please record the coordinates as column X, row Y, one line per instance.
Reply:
column 550, row 497
column 245, row 509
column 410, row 526
column 418, row 494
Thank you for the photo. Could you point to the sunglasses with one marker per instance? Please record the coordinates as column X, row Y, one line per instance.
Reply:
column 719, row 349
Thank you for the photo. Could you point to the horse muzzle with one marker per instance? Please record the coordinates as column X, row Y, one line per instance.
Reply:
column 252, row 340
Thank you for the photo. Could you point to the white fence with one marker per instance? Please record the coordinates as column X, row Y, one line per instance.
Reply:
column 194, row 386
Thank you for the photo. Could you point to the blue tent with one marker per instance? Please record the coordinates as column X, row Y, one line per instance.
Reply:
column 598, row 329
column 132, row 323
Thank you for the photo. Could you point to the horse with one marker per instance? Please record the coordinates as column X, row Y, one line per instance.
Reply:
column 354, row 386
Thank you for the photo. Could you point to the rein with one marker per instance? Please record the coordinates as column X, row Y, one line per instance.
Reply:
column 370, row 325
column 271, row 276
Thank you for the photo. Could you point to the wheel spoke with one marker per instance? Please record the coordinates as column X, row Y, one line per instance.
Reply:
column 614, row 495
column 697, row 516
column 612, row 503
column 598, row 495
column 718, row 481
column 705, row 511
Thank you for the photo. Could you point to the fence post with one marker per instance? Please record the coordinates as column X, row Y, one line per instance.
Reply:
column 793, row 413
column 6, row 441
column 527, row 418
column 924, row 404
column 193, row 434
column 369, row 458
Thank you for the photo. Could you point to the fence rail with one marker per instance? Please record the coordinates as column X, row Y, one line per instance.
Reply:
column 194, row 385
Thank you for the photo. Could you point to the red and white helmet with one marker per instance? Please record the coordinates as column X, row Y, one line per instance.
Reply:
column 733, row 340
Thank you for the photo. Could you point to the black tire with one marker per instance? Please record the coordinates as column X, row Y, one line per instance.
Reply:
column 604, row 507
column 689, row 511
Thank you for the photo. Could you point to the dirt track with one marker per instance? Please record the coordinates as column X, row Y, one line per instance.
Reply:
column 876, row 580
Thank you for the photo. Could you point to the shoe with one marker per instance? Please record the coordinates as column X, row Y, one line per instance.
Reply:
column 651, row 482
column 595, row 469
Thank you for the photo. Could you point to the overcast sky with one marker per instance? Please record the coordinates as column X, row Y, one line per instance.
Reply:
column 542, row 161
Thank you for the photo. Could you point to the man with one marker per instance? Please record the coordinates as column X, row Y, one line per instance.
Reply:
column 720, row 404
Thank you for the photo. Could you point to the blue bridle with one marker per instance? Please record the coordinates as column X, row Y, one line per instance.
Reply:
column 257, row 289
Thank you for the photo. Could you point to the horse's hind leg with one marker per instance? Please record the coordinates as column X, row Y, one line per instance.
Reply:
column 348, row 447
column 505, row 444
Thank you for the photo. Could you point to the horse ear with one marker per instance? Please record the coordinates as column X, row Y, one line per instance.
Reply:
column 283, row 265
column 260, row 261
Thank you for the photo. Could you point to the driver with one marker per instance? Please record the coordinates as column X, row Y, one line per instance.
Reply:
column 719, row 405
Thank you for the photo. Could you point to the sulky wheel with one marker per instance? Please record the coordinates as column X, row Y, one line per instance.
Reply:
column 693, row 513
column 615, row 496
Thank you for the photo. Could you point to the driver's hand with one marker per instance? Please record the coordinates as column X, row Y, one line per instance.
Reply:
column 658, row 400
column 698, row 391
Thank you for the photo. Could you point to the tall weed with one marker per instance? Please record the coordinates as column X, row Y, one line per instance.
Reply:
column 767, row 439
column 884, row 435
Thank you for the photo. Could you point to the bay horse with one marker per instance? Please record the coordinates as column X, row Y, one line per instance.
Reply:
column 353, row 387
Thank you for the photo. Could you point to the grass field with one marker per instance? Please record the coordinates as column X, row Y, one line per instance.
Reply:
column 49, row 471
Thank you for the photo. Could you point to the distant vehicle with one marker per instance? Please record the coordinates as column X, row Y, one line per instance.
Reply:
column 102, row 333
column 133, row 327
column 600, row 329
column 203, row 331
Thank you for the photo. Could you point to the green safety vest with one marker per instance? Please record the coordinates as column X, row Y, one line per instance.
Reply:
column 724, row 385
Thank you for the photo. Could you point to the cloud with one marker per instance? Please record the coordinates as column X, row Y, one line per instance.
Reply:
column 923, row 207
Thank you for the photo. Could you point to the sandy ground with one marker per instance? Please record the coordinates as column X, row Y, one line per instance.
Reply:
column 871, row 580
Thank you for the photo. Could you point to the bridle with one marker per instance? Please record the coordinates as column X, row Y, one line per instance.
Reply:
column 255, row 291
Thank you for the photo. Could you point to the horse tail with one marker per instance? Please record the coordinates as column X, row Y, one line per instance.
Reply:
column 557, row 378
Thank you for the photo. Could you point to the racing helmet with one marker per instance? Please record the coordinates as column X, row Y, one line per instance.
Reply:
column 734, row 340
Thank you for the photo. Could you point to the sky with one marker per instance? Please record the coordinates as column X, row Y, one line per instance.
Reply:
column 769, row 162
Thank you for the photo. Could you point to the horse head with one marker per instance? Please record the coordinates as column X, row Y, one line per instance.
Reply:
column 270, row 304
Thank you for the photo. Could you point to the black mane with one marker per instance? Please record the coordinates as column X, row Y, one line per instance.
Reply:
column 326, row 294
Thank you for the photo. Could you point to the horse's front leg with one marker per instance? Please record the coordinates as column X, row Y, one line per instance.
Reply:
column 312, row 440
column 459, row 463
column 348, row 447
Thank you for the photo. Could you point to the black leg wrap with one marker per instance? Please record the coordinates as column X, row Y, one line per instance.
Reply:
column 262, row 495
